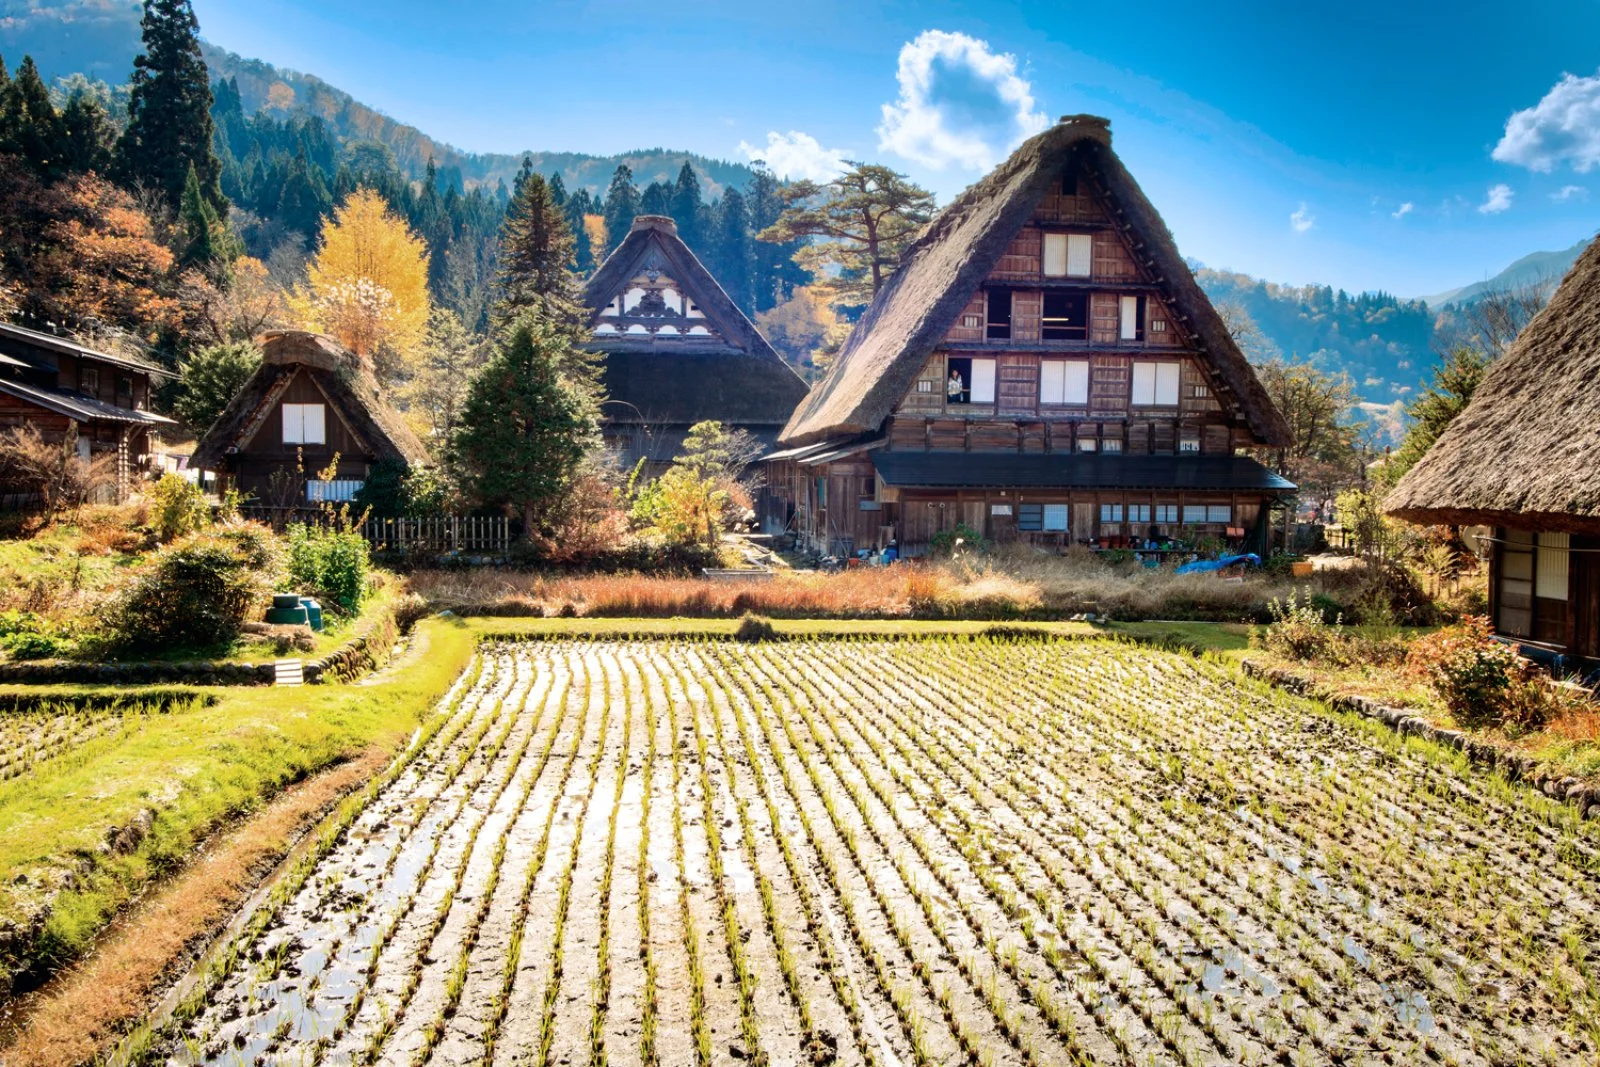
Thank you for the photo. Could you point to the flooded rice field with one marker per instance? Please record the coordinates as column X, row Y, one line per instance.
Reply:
column 910, row 852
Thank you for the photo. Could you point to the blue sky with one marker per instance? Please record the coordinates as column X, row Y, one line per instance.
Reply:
column 1281, row 139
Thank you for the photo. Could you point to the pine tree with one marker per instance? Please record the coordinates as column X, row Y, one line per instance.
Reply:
column 34, row 130
column 621, row 207
column 687, row 210
column 729, row 244
column 558, row 190
column 169, row 113
column 582, row 250
column 524, row 429
column 304, row 198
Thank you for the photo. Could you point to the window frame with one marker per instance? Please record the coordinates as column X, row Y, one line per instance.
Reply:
column 1070, row 370
column 295, row 415
column 1165, row 378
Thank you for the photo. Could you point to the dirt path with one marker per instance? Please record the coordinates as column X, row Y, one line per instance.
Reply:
column 946, row 851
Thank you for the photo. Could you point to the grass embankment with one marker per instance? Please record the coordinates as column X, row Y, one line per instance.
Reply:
column 185, row 773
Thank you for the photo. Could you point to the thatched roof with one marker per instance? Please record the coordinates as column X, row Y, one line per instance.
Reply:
column 1526, row 451
column 949, row 261
column 344, row 378
column 735, row 377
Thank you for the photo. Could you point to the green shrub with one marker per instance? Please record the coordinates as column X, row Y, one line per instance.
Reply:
column 198, row 593
column 330, row 563
column 37, row 646
column 395, row 489
column 1300, row 630
column 753, row 627
column 961, row 536
column 177, row 507
column 1472, row 673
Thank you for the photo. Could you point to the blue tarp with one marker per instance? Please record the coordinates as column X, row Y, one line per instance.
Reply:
column 1201, row 566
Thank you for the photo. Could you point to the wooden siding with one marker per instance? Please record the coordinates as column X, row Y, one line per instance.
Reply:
column 1027, row 308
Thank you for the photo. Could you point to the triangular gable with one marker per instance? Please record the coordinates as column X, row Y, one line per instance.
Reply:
column 959, row 249
column 654, row 247
column 281, row 386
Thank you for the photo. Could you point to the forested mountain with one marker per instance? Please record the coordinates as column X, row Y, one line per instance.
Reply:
column 99, row 38
column 1381, row 341
column 1535, row 268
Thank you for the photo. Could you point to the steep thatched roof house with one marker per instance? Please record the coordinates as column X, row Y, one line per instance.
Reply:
column 1044, row 367
column 678, row 350
column 310, row 399
column 1524, row 460
column 60, row 387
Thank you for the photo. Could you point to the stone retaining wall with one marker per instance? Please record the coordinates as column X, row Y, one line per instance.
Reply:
column 362, row 653
column 1514, row 765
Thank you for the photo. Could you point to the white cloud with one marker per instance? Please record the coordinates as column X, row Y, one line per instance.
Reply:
column 1404, row 209
column 797, row 155
column 959, row 103
column 1564, row 127
column 1571, row 192
column 1302, row 219
column 1499, row 200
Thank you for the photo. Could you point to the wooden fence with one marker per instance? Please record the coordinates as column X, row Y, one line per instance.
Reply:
column 440, row 533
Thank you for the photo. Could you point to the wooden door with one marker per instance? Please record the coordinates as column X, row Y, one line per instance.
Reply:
column 1584, row 598
column 972, row 515
column 1082, row 521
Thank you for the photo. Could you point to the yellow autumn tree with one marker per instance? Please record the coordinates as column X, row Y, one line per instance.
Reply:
column 367, row 285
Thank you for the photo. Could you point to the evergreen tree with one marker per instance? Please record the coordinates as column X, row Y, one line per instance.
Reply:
column 88, row 136
column 621, row 207
column 198, row 224
column 687, row 210
column 1454, row 382
column 582, row 250
column 535, row 263
column 303, row 198
column 523, row 430
column 34, row 130
column 656, row 199
column 729, row 244
column 775, row 273
column 169, row 113
column 558, row 190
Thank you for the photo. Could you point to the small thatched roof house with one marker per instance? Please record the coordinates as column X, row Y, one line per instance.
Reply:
column 1045, row 316
column 678, row 350
column 1524, row 460
column 310, row 399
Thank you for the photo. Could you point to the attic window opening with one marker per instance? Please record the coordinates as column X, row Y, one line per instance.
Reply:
column 1066, row 317
column 1130, row 313
column 89, row 380
column 1068, row 255
column 304, row 424
column 970, row 381
column 999, row 302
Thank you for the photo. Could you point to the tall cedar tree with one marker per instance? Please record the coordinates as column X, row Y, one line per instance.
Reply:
column 687, row 210
column 523, row 430
column 535, row 276
column 29, row 125
column 169, row 112
column 730, row 247
column 656, row 199
column 622, row 207
column 861, row 223
column 207, row 241
column 774, row 272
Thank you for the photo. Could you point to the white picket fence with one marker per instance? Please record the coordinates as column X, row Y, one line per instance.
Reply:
column 439, row 533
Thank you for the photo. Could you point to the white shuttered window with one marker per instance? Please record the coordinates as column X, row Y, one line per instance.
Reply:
column 1080, row 255
column 1155, row 384
column 1130, row 318
column 983, row 381
column 304, row 424
column 1055, row 255
column 1064, row 381
column 1550, row 576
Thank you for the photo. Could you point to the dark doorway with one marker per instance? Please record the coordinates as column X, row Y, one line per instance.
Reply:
column 999, row 316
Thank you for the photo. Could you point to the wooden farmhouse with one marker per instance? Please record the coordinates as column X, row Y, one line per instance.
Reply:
column 1523, row 460
column 310, row 399
column 59, row 386
column 1042, row 367
column 678, row 351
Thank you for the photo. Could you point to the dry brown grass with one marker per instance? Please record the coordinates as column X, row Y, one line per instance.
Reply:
column 1009, row 585
column 83, row 1010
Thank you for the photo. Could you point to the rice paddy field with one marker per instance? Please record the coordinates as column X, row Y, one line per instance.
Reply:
column 923, row 851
